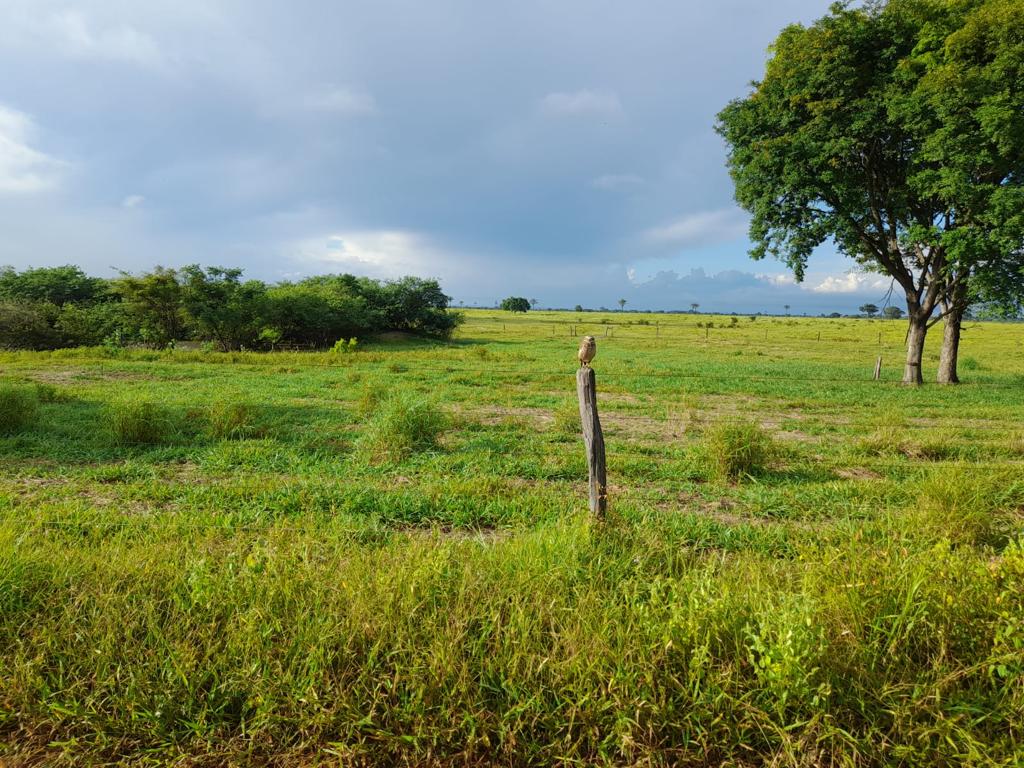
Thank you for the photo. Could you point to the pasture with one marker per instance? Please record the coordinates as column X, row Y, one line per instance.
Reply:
column 383, row 556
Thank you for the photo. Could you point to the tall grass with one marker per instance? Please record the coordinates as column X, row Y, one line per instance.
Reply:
column 404, row 423
column 737, row 449
column 19, row 407
column 561, row 645
column 229, row 419
column 139, row 421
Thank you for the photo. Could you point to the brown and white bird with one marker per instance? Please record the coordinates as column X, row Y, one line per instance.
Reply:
column 588, row 348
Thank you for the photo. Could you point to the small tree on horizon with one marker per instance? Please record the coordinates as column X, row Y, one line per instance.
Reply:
column 892, row 313
column 515, row 304
column 694, row 307
column 622, row 304
column 869, row 309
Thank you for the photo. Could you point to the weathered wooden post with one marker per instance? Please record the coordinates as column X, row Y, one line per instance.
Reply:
column 878, row 368
column 593, row 440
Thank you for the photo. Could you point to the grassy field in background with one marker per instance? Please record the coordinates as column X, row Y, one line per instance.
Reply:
column 384, row 557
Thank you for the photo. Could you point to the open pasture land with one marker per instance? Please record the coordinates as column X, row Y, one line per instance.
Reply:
column 384, row 556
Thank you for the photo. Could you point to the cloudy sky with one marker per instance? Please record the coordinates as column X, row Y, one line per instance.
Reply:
column 561, row 150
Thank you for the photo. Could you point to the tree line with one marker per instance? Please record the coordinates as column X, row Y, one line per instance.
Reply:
column 55, row 307
column 894, row 130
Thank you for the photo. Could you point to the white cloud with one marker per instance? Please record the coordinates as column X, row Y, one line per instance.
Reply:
column 380, row 253
column 777, row 279
column 123, row 42
column 341, row 100
column 852, row 282
column 699, row 228
column 22, row 168
column 133, row 201
column 583, row 102
column 616, row 180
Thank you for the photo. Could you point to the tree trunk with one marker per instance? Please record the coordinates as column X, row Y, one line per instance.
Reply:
column 915, row 348
column 950, row 346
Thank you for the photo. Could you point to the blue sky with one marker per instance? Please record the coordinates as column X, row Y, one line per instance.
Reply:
column 559, row 150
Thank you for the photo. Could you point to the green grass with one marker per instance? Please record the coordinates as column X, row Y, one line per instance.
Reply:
column 384, row 557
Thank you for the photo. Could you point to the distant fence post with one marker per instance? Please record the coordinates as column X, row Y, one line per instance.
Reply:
column 878, row 368
column 593, row 440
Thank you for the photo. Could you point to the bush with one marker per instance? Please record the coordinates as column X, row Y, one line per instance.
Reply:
column 737, row 450
column 231, row 420
column 19, row 407
column 404, row 424
column 134, row 421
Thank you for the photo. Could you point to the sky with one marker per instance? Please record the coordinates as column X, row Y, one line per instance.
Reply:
column 561, row 150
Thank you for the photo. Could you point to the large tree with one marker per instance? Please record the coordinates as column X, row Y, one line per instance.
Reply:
column 853, row 137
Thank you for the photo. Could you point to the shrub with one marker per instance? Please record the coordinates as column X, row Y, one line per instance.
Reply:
column 342, row 347
column 404, row 424
column 135, row 421
column 19, row 407
column 737, row 450
column 231, row 420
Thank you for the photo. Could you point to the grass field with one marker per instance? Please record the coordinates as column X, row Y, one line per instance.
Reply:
column 384, row 557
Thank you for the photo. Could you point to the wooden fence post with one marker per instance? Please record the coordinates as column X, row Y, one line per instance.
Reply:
column 593, row 440
column 878, row 368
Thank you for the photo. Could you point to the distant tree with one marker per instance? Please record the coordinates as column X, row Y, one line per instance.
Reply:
column 892, row 129
column 869, row 309
column 579, row 308
column 892, row 313
column 786, row 307
column 533, row 303
column 694, row 307
column 622, row 304
column 515, row 304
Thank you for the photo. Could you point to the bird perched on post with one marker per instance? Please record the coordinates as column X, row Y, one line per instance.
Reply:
column 588, row 348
